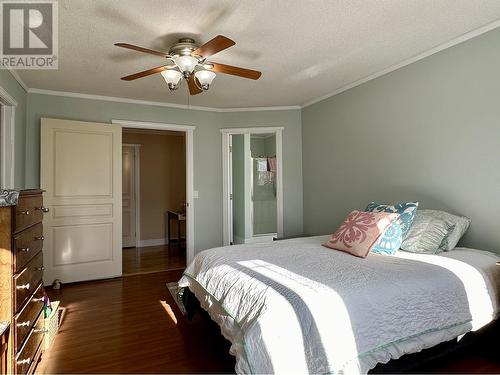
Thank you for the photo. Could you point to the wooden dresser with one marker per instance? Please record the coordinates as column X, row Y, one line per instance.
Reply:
column 21, row 286
column 4, row 348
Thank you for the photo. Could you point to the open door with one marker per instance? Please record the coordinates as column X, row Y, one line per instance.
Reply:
column 81, row 166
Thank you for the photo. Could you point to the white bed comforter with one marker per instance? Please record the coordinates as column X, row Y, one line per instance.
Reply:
column 296, row 307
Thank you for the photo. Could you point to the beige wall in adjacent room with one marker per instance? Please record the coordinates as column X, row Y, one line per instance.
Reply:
column 162, row 179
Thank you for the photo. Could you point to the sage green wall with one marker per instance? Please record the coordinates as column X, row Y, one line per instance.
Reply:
column 9, row 84
column 428, row 132
column 207, row 150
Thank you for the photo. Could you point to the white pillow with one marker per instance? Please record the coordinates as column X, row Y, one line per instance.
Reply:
column 461, row 224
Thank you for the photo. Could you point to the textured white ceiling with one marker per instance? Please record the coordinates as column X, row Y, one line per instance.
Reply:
column 305, row 48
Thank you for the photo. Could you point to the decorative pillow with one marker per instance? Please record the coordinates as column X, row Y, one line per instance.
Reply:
column 426, row 234
column 360, row 231
column 406, row 213
column 390, row 241
column 461, row 224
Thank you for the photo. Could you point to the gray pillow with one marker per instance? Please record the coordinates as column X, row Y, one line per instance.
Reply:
column 461, row 224
column 426, row 234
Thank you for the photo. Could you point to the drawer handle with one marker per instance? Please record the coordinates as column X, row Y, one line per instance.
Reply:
column 26, row 361
column 24, row 249
column 25, row 286
column 37, row 299
column 41, row 268
column 43, row 209
column 27, row 212
column 41, row 330
column 40, row 238
column 24, row 324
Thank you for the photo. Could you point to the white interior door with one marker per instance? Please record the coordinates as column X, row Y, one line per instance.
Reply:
column 81, row 166
column 128, row 195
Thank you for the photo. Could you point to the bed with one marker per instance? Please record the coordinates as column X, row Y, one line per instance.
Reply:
column 294, row 306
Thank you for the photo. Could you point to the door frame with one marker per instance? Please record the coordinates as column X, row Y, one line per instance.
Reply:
column 7, row 146
column 137, row 190
column 188, row 130
column 227, row 179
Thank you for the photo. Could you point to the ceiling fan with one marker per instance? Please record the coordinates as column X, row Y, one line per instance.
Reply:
column 189, row 61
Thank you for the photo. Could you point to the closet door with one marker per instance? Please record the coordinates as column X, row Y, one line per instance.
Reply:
column 81, row 166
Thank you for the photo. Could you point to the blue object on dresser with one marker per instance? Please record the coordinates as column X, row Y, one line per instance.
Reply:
column 8, row 197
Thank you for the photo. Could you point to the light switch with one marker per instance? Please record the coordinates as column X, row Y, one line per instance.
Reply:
column 196, row 194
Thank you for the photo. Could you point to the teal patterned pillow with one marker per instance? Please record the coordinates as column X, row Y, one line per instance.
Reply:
column 390, row 241
column 406, row 213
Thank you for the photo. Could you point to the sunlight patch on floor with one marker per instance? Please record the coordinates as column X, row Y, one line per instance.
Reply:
column 169, row 311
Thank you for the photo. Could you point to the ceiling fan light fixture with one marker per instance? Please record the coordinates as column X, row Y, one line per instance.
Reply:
column 191, row 64
column 186, row 64
column 172, row 77
column 205, row 77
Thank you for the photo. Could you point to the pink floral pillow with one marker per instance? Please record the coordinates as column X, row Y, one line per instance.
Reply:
column 360, row 232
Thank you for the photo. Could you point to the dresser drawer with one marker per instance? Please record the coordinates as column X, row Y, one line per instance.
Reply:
column 29, row 211
column 4, row 351
column 29, row 350
column 25, row 319
column 26, row 281
column 27, row 244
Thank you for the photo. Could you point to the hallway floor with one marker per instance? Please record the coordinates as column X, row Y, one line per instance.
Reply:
column 137, row 260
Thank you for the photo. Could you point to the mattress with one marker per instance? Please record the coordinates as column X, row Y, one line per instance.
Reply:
column 295, row 306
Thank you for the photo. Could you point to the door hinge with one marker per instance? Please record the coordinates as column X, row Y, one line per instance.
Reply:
column 231, row 196
column 230, row 148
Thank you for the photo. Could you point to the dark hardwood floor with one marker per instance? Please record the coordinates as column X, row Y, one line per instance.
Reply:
column 122, row 326
column 137, row 260
column 132, row 325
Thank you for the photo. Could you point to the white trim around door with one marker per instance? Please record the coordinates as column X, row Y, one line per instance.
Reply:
column 227, row 183
column 7, row 135
column 188, row 130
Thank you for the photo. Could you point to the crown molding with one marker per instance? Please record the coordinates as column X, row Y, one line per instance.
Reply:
column 411, row 60
column 18, row 79
column 153, row 103
column 259, row 109
column 462, row 38
column 6, row 98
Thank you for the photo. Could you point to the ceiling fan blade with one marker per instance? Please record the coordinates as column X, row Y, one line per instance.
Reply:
column 142, row 49
column 148, row 72
column 213, row 46
column 193, row 88
column 235, row 71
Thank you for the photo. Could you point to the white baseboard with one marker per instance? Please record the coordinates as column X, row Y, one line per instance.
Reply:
column 154, row 242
